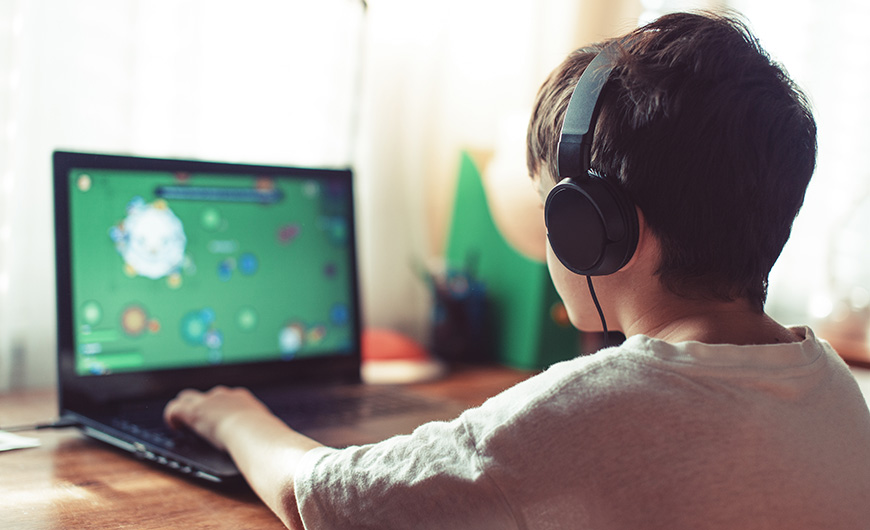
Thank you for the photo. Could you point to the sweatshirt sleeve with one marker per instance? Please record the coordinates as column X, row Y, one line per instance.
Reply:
column 432, row 478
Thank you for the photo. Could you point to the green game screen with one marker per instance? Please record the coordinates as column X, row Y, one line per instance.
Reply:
column 173, row 270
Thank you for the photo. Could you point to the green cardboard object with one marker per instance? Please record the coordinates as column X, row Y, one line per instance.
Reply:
column 521, row 296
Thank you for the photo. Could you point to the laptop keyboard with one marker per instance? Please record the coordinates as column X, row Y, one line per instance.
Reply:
column 151, row 428
column 299, row 409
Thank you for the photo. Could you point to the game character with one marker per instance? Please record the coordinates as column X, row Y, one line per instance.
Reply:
column 150, row 239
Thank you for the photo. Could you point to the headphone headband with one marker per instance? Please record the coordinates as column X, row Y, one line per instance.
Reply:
column 574, row 153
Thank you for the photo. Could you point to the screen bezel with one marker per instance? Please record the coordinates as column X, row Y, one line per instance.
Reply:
column 80, row 393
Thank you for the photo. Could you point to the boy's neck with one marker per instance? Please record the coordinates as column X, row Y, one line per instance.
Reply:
column 674, row 319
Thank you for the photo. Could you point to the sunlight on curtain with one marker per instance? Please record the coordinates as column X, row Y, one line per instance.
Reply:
column 652, row 9
column 10, row 72
column 266, row 81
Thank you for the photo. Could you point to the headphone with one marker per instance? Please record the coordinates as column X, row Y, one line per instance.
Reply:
column 591, row 223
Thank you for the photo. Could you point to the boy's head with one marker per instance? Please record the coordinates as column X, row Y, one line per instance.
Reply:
column 709, row 138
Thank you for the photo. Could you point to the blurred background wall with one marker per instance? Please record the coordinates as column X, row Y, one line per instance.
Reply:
column 395, row 89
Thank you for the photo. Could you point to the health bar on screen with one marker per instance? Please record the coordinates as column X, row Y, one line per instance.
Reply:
column 199, row 193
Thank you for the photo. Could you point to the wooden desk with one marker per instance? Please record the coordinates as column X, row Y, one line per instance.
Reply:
column 71, row 481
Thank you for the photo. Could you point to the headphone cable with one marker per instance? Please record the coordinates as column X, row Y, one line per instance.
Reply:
column 600, row 312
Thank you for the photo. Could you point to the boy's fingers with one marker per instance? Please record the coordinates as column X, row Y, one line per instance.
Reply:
column 175, row 413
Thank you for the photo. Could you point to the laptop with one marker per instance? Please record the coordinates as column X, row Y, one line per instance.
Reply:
column 174, row 274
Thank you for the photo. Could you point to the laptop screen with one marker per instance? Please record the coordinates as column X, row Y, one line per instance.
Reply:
column 188, row 265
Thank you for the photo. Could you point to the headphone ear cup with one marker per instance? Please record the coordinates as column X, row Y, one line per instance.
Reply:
column 591, row 225
column 574, row 228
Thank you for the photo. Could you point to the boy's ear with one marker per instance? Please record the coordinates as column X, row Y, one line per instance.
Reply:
column 648, row 248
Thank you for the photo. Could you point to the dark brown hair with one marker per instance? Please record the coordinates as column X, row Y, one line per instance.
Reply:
column 707, row 135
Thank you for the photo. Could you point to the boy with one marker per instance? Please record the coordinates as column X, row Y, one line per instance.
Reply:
column 710, row 415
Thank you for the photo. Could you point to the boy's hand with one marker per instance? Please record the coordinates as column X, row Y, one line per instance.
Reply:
column 233, row 420
column 209, row 414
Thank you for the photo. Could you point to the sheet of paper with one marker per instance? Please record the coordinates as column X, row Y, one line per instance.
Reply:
column 9, row 441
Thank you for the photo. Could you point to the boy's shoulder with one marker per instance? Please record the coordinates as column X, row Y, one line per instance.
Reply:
column 647, row 379
column 576, row 387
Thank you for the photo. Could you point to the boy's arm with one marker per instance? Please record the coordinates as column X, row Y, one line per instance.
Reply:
column 265, row 450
